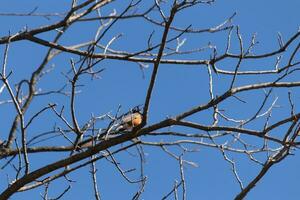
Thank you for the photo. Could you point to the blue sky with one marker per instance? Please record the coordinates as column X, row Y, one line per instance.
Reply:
column 177, row 89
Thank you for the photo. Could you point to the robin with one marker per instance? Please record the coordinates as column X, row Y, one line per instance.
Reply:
column 127, row 122
column 130, row 120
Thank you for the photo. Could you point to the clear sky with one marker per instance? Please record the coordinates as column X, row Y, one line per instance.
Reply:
column 177, row 89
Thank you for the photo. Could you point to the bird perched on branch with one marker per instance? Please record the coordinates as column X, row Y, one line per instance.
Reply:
column 130, row 120
column 125, row 122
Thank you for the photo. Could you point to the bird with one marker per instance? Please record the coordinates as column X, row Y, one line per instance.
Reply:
column 125, row 122
column 130, row 120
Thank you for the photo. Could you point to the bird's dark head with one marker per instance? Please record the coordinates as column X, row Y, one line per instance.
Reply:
column 137, row 109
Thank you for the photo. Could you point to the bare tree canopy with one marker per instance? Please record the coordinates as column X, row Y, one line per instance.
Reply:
column 148, row 99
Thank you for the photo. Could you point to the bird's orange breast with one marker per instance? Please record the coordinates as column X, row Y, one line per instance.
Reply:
column 137, row 120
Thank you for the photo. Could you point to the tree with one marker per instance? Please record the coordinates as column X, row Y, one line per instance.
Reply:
column 64, row 107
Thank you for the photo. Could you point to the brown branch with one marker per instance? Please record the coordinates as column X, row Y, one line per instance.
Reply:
column 157, row 62
column 69, row 170
column 4, row 78
column 69, row 19
column 233, row 91
column 75, row 158
column 282, row 154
